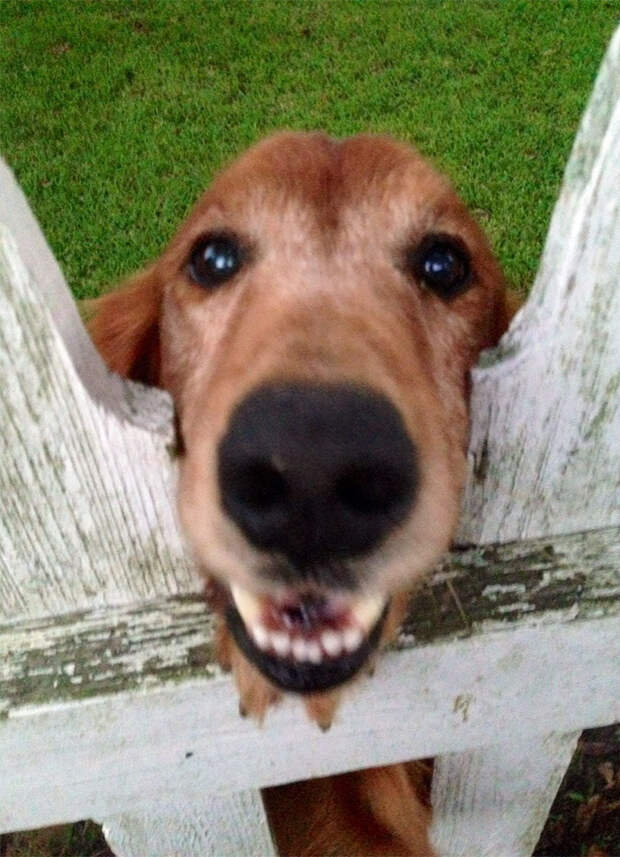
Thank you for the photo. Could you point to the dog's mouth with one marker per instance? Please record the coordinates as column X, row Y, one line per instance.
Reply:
column 306, row 642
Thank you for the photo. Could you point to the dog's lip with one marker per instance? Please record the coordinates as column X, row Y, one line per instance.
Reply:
column 305, row 642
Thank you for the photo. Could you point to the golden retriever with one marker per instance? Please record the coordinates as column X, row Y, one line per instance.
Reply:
column 315, row 319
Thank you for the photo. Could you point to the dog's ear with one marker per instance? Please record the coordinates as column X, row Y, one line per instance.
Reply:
column 508, row 305
column 124, row 325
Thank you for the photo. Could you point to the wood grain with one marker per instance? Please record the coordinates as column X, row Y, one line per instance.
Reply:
column 545, row 451
column 544, row 456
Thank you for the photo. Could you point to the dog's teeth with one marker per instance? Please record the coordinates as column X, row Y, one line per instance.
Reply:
column 299, row 648
column 247, row 604
column 261, row 636
column 331, row 642
column 352, row 638
column 313, row 651
column 280, row 642
column 367, row 610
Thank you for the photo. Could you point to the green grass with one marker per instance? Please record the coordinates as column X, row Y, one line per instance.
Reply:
column 83, row 839
column 115, row 115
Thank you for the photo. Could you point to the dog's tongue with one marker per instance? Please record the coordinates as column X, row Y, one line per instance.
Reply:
column 307, row 627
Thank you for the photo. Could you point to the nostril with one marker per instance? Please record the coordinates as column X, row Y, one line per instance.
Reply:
column 370, row 490
column 257, row 485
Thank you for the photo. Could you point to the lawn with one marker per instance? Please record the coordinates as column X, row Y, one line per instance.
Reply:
column 114, row 116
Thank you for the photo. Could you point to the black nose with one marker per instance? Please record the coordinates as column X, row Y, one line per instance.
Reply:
column 316, row 472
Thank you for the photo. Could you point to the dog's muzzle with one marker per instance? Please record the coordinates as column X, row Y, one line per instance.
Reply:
column 315, row 477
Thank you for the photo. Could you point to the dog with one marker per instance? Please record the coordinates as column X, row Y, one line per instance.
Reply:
column 315, row 319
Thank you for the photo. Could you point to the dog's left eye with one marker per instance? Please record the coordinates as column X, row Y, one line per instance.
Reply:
column 214, row 260
column 442, row 264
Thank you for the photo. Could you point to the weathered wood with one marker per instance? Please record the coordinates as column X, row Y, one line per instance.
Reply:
column 497, row 801
column 87, row 497
column 36, row 255
column 494, row 588
column 544, row 453
column 141, row 406
column 123, row 751
column 545, row 449
column 81, row 655
column 122, row 707
column 227, row 826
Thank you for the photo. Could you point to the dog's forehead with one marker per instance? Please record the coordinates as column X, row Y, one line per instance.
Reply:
column 324, row 179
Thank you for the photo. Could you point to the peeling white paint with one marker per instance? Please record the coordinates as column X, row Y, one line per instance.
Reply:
column 546, row 420
column 497, row 589
column 519, row 607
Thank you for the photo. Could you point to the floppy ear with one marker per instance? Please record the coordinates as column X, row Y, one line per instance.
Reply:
column 507, row 305
column 124, row 325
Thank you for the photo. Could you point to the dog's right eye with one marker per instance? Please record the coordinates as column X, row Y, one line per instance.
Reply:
column 214, row 260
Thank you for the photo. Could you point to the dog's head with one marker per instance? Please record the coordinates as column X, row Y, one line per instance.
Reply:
column 315, row 319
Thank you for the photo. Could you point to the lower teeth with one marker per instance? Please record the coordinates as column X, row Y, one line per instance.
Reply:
column 329, row 645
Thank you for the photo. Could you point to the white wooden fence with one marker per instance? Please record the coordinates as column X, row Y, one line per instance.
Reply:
column 111, row 705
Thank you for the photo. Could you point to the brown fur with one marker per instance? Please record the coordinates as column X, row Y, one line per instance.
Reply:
column 375, row 812
column 324, row 298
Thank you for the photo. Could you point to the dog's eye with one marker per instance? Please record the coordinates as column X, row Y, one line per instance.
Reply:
column 215, row 259
column 442, row 264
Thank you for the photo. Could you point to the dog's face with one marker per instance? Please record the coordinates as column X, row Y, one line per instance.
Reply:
column 320, row 310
